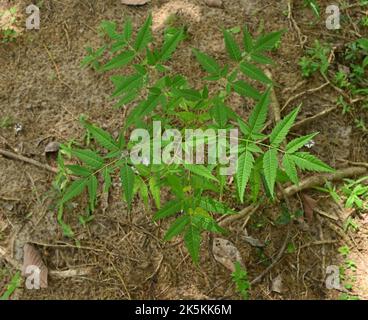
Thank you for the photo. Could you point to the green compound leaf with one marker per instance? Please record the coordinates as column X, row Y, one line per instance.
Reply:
column 171, row 208
column 290, row 168
column 177, row 227
column 192, row 240
column 102, row 137
column 92, row 192
column 119, row 61
column 74, row 190
column 296, row 144
column 245, row 166
column 200, row 170
column 281, row 130
column 127, row 179
column 144, row 35
column 214, row 206
column 89, row 157
column 208, row 63
column 254, row 73
column 246, row 90
column 270, row 165
column 170, row 45
column 268, row 41
column 258, row 116
column 232, row 47
column 306, row 161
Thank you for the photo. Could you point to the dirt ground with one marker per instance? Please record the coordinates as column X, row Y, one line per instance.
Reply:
column 121, row 255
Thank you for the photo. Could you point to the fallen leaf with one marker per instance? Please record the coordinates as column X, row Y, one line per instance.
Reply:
column 214, row 3
column 226, row 253
column 52, row 147
column 309, row 204
column 254, row 242
column 8, row 206
column 32, row 258
column 277, row 284
column 135, row 2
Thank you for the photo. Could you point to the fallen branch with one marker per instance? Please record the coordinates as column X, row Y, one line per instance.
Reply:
column 19, row 157
column 318, row 243
column 293, row 24
column 70, row 273
column 319, row 180
column 246, row 212
column 358, row 164
column 325, row 214
column 316, row 116
column 298, row 95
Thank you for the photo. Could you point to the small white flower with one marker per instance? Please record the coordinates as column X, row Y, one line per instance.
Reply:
column 18, row 128
column 310, row 144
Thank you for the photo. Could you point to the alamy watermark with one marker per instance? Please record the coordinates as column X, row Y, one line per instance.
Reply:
column 33, row 277
column 333, row 17
column 333, row 278
column 33, row 20
column 193, row 146
column 332, row 20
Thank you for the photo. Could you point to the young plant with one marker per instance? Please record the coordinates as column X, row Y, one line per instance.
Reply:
column 331, row 190
column 240, row 278
column 313, row 5
column 347, row 271
column 356, row 193
column 6, row 122
column 351, row 75
column 356, row 60
column 315, row 60
column 152, row 94
column 8, row 32
column 12, row 286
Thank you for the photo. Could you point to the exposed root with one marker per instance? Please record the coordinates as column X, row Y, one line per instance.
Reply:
column 316, row 116
column 318, row 180
column 300, row 94
column 302, row 38
column 243, row 214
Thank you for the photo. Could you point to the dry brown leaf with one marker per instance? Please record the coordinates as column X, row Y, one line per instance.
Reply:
column 214, row 3
column 309, row 204
column 277, row 284
column 52, row 147
column 226, row 253
column 135, row 2
column 33, row 258
column 254, row 242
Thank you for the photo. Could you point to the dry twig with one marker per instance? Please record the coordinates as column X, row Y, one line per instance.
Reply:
column 318, row 180
column 19, row 157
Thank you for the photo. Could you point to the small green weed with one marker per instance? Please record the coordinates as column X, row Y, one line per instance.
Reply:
column 240, row 278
